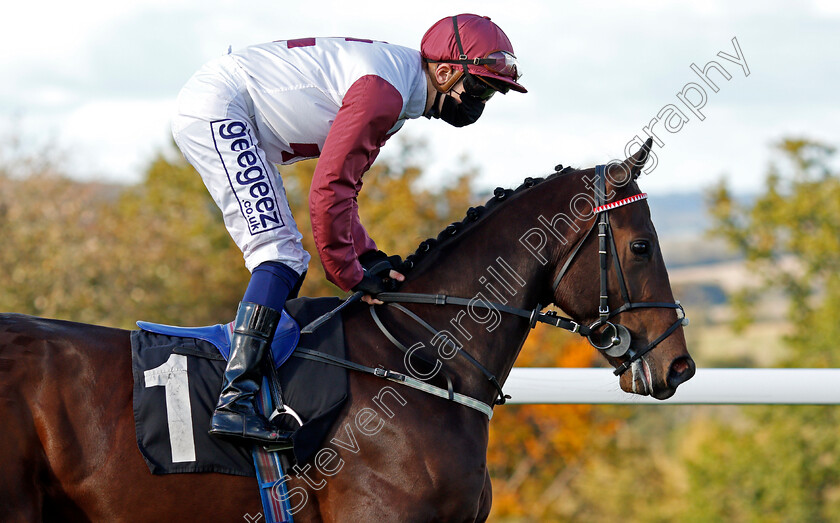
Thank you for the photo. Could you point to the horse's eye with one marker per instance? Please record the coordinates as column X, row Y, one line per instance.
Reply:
column 640, row 247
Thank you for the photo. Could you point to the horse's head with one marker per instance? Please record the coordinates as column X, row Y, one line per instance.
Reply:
column 636, row 323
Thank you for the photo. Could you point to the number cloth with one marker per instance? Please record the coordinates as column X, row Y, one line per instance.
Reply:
column 176, row 387
column 177, row 382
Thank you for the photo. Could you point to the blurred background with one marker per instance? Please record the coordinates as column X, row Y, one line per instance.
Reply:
column 102, row 221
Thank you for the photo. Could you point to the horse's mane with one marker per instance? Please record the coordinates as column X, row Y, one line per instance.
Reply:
column 473, row 216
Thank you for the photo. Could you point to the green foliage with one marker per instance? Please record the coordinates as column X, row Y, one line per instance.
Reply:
column 395, row 207
column 791, row 236
column 780, row 463
column 537, row 452
column 712, row 464
column 111, row 255
column 159, row 251
column 47, row 229
column 774, row 465
column 171, row 254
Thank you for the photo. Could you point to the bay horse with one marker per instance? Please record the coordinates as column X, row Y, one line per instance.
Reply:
column 68, row 447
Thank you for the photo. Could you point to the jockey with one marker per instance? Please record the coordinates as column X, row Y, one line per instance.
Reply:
column 337, row 99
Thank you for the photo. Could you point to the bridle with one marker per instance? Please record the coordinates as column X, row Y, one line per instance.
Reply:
column 619, row 341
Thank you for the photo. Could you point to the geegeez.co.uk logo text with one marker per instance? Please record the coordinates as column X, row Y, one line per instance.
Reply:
column 247, row 174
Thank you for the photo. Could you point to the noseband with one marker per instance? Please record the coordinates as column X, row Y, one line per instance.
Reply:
column 618, row 344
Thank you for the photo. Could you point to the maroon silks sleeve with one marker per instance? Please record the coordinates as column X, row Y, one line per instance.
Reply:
column 369, row 110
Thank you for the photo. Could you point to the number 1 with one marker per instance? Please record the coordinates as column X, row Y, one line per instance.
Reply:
column 172, row 376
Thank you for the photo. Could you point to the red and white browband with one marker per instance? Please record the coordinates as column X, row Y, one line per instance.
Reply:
column 619, row 203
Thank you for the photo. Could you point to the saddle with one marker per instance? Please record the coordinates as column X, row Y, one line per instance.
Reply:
column 219, row 335
column 178, row 376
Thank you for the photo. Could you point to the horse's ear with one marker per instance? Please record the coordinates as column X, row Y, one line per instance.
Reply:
column 618, row 171
column 635, row 163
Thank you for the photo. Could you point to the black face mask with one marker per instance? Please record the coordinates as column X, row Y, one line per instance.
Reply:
column 457, row 114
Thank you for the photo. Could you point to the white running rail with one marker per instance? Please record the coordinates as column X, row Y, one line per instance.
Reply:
column 707, row 387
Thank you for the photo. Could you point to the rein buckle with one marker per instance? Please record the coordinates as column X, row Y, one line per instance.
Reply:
column 385, row 373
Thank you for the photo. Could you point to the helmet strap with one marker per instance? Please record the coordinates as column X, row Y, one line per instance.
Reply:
column 463, row 55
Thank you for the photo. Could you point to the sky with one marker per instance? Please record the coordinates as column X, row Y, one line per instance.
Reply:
column 95, row 82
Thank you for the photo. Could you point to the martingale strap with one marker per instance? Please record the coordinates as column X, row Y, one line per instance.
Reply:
column 437, row 335
column 395, row 377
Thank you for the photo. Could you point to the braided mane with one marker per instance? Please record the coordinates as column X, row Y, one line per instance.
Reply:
column 474, row 215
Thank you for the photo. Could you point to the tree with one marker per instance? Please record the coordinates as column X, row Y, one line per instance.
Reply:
column 159, row 250
column 780, row 463
column 718, row 463
column 396, row 208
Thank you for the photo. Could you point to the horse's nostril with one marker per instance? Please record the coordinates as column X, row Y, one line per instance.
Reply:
column 682, row 369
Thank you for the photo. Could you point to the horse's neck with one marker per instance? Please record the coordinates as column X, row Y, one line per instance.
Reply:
column 487, row 263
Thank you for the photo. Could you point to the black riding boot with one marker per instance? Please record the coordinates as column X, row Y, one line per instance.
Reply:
column 236, row 413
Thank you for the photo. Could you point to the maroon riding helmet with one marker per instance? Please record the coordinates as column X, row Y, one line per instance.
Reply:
column 478, row 45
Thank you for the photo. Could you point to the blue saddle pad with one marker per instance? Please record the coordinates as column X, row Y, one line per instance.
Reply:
column 285, row 339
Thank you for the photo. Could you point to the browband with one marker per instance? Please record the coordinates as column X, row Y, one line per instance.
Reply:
column 616, row 204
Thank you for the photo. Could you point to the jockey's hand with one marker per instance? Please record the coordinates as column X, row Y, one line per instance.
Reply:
column 380, row 275
column 373, row 285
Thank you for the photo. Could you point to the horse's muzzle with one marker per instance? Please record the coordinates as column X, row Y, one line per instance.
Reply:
column 682, row 369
